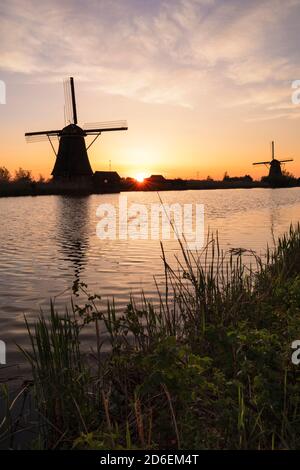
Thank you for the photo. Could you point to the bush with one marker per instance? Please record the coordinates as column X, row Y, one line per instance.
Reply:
column 209, row 368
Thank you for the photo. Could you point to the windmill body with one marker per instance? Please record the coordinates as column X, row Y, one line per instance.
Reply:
column 275, row 168
column 72, row 164
column 72, row 160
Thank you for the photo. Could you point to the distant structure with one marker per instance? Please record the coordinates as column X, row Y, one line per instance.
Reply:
column 156, row 179
column 72, row 166
column 107, row 181
column 155, row 182
column 274, row 165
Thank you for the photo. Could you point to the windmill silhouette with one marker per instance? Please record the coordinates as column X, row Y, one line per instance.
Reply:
column 72, row 162
column 274, row 165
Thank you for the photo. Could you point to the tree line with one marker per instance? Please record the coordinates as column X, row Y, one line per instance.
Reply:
column 20, row 175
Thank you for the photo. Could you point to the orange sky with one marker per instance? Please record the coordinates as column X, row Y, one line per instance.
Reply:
column 203, row 93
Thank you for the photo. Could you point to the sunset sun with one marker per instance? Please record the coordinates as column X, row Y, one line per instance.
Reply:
column 140, row 177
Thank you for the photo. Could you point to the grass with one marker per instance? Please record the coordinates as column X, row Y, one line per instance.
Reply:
column 209, row 368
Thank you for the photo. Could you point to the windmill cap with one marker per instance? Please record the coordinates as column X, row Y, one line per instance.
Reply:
column 72, row 129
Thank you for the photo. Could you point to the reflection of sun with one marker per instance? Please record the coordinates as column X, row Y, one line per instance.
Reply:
column 140, row 177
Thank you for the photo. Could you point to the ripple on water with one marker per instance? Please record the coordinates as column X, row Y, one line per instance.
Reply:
column 48, row 242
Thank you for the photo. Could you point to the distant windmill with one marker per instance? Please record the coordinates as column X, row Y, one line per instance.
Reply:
column 274, row 164
column 72, row 162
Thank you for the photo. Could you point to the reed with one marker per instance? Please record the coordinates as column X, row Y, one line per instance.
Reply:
column 60, row 376
column 209, row 368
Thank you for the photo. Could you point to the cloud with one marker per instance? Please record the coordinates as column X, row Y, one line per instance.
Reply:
column 179, row 52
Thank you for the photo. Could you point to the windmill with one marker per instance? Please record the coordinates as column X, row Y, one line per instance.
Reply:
column 72, row 162
column 274, row 165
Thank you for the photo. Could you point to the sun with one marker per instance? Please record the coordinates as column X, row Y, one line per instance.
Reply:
column 140, row 177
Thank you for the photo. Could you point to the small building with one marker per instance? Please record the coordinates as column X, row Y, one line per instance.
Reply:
column 155, row 183
column 156, row 179
column 107, row 182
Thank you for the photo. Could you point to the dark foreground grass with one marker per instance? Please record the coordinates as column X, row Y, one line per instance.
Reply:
column 210, row 368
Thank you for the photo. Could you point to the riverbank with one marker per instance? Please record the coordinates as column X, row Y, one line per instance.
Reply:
column 210, row 368
column 32, row 188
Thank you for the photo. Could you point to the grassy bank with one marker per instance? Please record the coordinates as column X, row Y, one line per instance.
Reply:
column 210, row 368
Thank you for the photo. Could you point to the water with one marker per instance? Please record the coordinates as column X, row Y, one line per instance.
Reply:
column 48, row 242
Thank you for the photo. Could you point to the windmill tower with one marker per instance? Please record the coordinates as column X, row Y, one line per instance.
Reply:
column 274, row 165
column 72, row 162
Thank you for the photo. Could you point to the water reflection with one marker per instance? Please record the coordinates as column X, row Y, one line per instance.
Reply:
column 47, row 242
column 72, row 222
column 274, row 214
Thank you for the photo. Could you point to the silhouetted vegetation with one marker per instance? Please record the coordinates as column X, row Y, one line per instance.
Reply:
column 5, row 175
column 246, row 178
column 24, row 184
column 21, row 184
column 282, row 181
column 209, row 368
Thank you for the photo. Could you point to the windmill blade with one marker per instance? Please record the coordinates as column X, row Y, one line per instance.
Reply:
column 74, row 110
column 96, row 127
column 56, row 132
column 40, row 138
column 36, row 138
column 68, row 101
column 261, row 163
column 289, row 160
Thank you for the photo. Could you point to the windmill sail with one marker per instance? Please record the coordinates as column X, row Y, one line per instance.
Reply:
column 40, row 137
column 107, row 126
column 69, row 115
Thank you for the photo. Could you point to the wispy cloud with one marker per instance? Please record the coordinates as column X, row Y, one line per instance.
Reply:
column 175, row 52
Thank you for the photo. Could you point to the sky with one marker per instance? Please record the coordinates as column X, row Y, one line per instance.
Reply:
column 205, row 85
